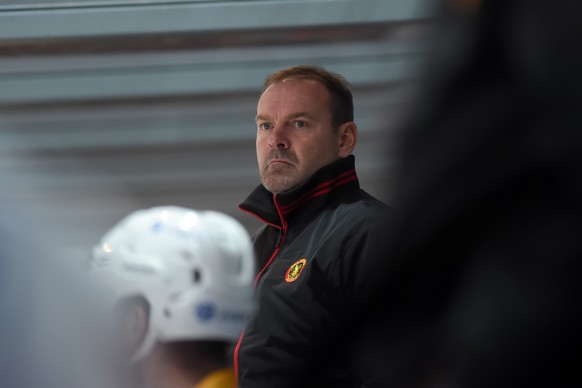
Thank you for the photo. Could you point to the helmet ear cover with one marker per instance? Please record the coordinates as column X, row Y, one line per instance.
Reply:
column 132, row 320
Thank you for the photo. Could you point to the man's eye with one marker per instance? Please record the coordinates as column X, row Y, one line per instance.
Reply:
column 265, row 126
column 300, row 124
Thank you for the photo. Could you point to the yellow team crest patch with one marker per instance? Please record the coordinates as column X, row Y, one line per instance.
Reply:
column 295, row 270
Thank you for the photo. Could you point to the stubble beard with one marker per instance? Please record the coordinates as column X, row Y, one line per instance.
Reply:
column 278, row 179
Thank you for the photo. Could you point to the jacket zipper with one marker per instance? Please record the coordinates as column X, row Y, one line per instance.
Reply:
column 278, row 243
column 279, row 238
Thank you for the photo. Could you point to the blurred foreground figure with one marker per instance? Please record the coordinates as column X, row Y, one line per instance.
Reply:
column 482, row 287
column 180, row 283
column 45, row 310
column 42, row 327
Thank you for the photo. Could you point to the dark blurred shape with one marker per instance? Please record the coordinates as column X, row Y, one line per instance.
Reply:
column 481, row 277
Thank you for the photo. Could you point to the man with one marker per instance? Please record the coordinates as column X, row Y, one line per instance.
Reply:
column 181, row 283
column 320, row 228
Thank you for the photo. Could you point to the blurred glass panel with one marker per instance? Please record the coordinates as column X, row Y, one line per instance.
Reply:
column 123, row 118
column 17, row 4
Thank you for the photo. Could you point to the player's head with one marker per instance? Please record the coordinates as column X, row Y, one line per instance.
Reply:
column 175, row 275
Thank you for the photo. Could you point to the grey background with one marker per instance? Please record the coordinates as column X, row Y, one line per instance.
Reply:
column 111, row 106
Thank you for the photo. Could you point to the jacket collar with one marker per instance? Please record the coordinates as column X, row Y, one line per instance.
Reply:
column 314, row 194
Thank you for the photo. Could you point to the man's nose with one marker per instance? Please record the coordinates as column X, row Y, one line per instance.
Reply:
column 278, row 139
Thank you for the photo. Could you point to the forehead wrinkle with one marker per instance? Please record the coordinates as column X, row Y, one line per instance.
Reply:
column 300, row 114
column 279, row 95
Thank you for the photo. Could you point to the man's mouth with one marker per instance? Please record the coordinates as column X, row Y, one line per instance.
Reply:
column 280, row 161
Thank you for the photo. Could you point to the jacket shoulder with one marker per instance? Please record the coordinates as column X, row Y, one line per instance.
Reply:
column 364, row 209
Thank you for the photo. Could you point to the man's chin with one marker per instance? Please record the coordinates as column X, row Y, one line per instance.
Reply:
column 279, row 185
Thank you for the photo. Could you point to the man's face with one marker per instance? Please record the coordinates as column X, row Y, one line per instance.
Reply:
column 295, row 136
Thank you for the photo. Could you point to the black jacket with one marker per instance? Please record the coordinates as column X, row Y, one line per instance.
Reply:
column 312, row 257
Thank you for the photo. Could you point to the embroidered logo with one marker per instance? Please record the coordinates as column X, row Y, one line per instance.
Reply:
column 295, row 270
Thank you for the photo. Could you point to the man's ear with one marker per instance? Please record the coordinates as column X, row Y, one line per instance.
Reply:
column 347, row 138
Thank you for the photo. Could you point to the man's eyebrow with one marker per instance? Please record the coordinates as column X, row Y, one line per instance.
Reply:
column 292, row 116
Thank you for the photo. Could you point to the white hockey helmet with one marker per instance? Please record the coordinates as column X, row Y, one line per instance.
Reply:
column 195, row 269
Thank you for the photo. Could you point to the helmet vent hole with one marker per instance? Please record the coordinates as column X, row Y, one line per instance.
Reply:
column 196, row 276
